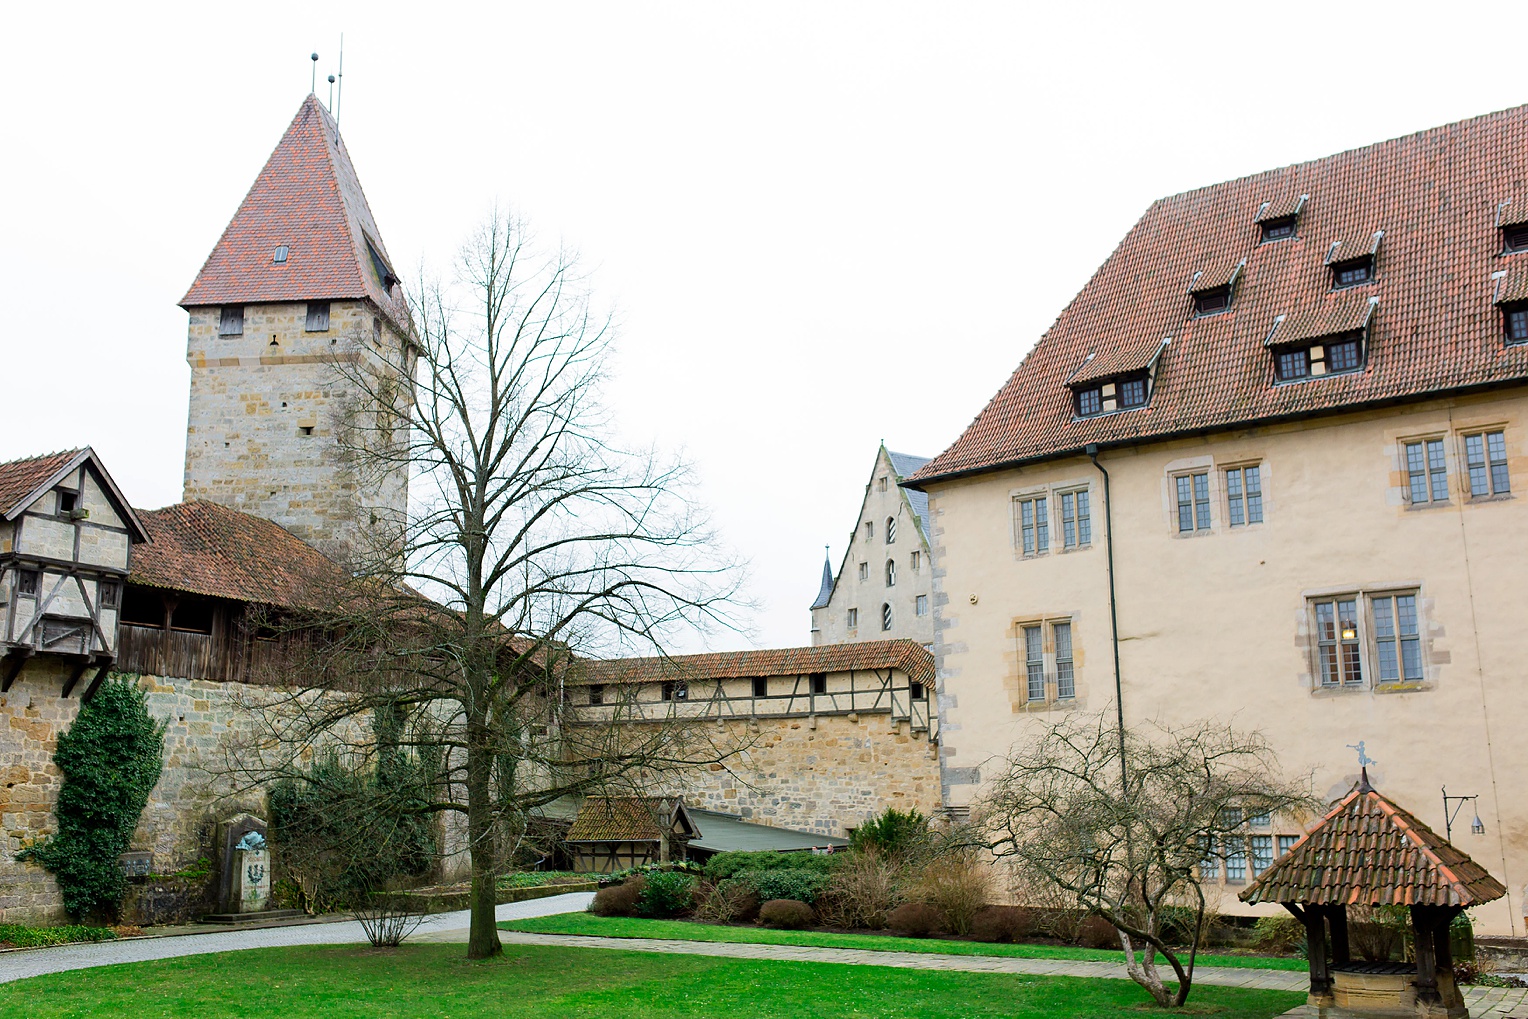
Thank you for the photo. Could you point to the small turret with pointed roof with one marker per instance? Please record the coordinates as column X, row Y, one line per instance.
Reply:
column 299, row 285
column 825, row 591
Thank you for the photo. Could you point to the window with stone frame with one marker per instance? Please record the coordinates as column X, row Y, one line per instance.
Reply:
column 1209, row 861
column 886, row 619
column 1192, row 499
column 920, row 605
column 1262, row 852
column 1287, row 842
column 1381, row 646
column 1049, row 673
column 864, row 571
column 1076, row 519
column 1032, row 524
column 1244, row 495
column 891, row 573
column 916, row 559
column 891, row 530
column 869, row 530
column 1485, row 458
column 852, row 619
column 1426, row 471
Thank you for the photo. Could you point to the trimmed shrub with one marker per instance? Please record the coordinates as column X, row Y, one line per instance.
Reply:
column 916, row 918
column 666, row 894
column 894, row 834
column 800, row 885
column 725, row 865
column 1096, row 932
column 739, row 901
column 111, row 758
column 786, row 914
column 1005, row 924
column 1279, row 933
column 619, row 900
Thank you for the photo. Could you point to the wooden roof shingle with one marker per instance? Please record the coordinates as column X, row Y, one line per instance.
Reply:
column 1369, row 852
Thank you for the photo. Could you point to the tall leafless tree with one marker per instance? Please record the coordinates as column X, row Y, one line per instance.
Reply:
column 1131, row 853
column 532, row 542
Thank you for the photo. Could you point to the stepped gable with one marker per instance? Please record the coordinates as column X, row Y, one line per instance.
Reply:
column 1369, row 852
column 307, row 199
column 202, row 548
column 1439, row 197
column 908, row 656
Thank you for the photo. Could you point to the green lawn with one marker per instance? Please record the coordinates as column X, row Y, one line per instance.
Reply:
column 531, row 983
column 619, row 927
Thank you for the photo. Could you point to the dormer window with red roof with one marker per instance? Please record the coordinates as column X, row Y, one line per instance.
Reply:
column 1352, row 260
column 1210, row 302
column 1116, row 380
column 1352, row 273
column 1514, row 238
column 1516, row 321
column 1278, row 218
column 1320, row 359
column 1213, row 289
column 1323, row 339
column 1124, row 393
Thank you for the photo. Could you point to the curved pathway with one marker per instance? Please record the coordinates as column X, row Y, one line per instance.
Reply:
column 37, row 961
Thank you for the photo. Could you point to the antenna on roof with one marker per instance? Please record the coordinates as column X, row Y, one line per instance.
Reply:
column 313, row 85
column 341, row 98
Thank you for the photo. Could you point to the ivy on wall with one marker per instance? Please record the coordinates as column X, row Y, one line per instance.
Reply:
column 111, row 758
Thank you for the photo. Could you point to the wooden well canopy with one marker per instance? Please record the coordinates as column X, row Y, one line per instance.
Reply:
column 1367, row 851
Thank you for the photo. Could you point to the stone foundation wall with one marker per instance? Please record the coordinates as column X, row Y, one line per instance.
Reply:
column 824, row 775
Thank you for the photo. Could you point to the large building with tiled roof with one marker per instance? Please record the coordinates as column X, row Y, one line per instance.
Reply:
column 1267, row 467
column 297, row 297
column 884, row 587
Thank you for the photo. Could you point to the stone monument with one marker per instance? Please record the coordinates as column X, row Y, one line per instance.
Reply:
column 252, row 874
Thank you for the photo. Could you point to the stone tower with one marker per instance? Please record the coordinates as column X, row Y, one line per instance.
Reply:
column 297, row 296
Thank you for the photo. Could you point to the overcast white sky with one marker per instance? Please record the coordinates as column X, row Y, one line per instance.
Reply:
column 824, row 225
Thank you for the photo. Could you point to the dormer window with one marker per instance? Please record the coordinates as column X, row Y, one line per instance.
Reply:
column 1278, row 229
column 1332, row 358
column 1209, row 302
column 1353, row 273
column 1514, row 238
column 1126, row 393
column 1515, row 318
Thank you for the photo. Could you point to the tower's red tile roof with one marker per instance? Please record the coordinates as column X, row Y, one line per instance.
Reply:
column 203, row 548
column 1369, row 852
column 1436, row 195
column 308, row 199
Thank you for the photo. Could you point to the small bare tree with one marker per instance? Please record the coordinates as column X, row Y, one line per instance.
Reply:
column 1128, row 848
column 532, row 542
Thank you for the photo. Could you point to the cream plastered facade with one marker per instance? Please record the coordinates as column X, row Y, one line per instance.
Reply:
column 854, row 612
column 1219, row 624
column 267, row 411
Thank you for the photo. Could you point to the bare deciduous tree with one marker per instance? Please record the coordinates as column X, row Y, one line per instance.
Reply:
column 1128, row 849
column 531, row 542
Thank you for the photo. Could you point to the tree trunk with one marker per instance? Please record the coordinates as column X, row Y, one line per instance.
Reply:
column 1145, row 972
column 483, row 940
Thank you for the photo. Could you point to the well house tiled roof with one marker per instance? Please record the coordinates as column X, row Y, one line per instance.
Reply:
column 1368, row 851
column 908, row 656
column 308, row 199
column 203, row 548
column 1435, row 329
column 627, row 819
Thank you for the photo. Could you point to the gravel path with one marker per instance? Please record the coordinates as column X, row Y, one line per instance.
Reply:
column 37, row 961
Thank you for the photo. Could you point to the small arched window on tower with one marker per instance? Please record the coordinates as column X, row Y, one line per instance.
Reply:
column 885, row 616
column 891, row 573
column 891, row 530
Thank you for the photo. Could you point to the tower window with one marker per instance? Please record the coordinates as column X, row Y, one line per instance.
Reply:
column 231, row 323
column 1516, row 321
column 280, row 254
column 1278, row 229
column 304, row 429
column 1209, row 302
column 1515, row 238
column 1351, row 274
column 318, row 317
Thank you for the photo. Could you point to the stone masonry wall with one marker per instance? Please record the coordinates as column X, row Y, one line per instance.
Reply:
column 177, row 823
column 825, row 777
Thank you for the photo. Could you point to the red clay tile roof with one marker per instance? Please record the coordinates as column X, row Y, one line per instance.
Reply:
column 1368, row 851
column 1514, row 212
column 1436, row 196
column 1514, row 286
column 1327, row 317
column 908, row 656
column 623, row 819
column 21, row 479
column 308, row 198
column 1219, row 274
column 203, row 548
column 1128, row 358
column 1279, row 208
column 1360, row 245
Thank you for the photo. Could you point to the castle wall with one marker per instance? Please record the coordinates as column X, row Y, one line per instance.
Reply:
column 823, row 775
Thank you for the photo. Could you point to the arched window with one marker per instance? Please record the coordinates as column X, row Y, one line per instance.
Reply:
column 891, row 530
column 891, row 573
column 886, row 616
